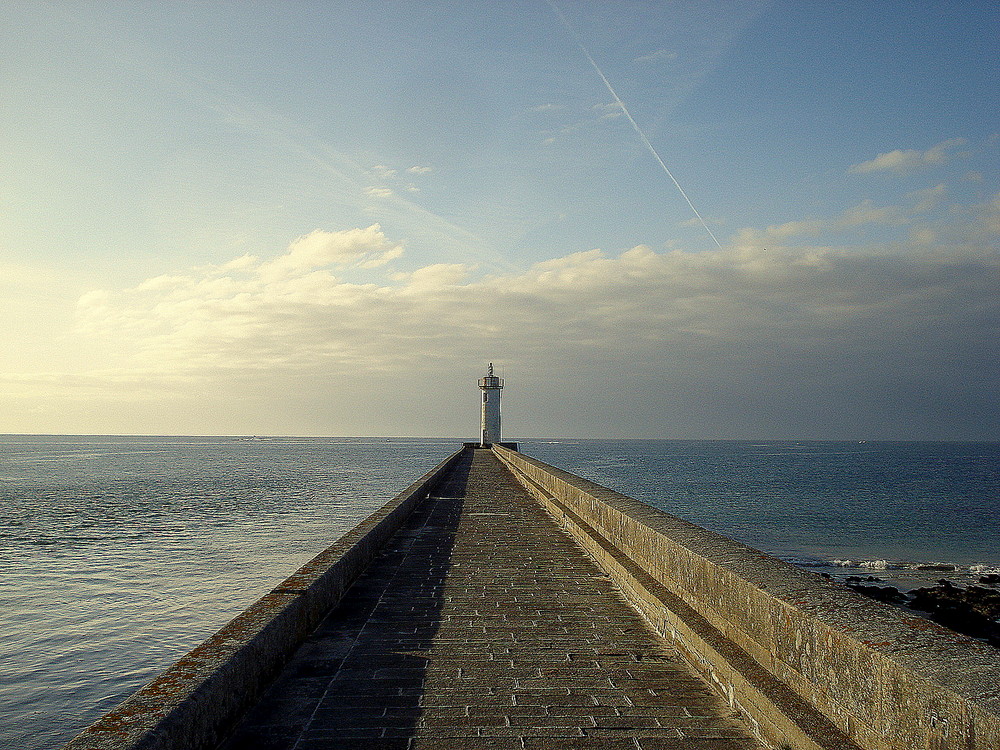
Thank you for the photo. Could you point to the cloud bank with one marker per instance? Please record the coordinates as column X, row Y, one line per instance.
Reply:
column 807, row 340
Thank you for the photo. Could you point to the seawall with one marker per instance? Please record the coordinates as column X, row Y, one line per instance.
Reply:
column 810, row 663
column 198, row 699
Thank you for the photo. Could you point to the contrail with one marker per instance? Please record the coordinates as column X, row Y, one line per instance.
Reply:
column 628, row 114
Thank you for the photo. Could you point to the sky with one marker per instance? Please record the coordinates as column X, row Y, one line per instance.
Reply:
column 727, row 220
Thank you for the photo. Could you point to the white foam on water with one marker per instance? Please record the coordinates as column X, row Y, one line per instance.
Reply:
column 984, row 569
column 869, row 564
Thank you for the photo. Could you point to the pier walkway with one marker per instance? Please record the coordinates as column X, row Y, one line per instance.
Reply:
column 482, row 625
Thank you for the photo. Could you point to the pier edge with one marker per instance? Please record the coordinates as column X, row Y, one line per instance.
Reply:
column 197, row 699
column 810, row 663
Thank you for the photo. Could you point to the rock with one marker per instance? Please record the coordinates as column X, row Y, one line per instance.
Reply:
column 991, row 578
column 888, row 594
column 973, row 610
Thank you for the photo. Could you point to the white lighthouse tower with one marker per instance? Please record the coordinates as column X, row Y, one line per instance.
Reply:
column 491, row 387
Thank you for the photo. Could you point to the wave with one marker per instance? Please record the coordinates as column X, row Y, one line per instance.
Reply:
column 984, row 569
column 925, row 567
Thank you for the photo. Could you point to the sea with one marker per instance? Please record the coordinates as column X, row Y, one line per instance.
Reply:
column 120, row 554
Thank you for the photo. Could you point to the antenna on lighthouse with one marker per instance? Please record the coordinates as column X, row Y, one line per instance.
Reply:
column 491, row 386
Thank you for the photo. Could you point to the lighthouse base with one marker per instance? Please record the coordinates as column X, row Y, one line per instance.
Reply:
column 504, row 444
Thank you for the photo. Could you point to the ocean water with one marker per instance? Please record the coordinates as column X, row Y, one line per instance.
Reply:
column 119, row 554
column 908, row 512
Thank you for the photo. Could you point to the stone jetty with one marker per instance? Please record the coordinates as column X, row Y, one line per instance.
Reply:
column 483, row 626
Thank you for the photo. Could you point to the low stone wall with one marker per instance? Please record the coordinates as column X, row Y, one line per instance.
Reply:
column 810, row 663
column 200, row 697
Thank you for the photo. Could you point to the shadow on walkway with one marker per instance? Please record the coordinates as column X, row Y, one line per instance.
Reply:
column 359, row 679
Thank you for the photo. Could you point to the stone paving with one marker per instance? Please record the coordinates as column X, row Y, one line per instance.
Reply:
column 483, row 626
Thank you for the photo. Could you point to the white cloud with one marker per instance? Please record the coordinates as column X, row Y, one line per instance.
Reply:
column 609, row 110
column 383, row 171
column 420, row 170
column 581, row 122
column 366, row 248
column 910, row 160
column 656, row 56
column 989, row 216
column 865, row 213
column 928, row 198
column 378, row 192
column 436, row 275
column 694, row 221
column 923, row 236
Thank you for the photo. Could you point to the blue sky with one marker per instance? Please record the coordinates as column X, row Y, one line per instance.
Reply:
column 264, row 217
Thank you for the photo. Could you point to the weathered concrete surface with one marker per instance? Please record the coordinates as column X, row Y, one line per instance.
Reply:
column 198, row 699
column 483, row 626
column 811, row 663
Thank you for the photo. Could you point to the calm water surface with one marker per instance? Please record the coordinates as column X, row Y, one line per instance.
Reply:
column 868, row 506
column 117, row 555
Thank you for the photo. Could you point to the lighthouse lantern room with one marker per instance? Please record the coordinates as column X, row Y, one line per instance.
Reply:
column 491, row 386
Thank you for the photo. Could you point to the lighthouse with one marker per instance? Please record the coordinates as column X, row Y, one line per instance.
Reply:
column 491, row 386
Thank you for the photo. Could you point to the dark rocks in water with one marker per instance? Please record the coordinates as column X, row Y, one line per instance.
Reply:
column 943, row 567
column 859, row 579
column 990, row 578
column 888, row 594
column 973, row 610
